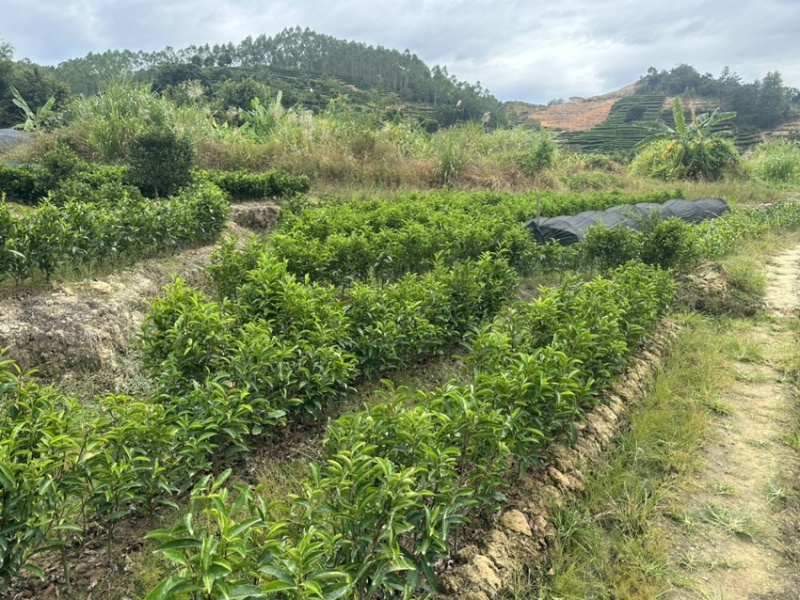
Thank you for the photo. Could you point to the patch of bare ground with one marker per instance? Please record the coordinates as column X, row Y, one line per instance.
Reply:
column 736, row 529
column 577, row 114
column 81, row 327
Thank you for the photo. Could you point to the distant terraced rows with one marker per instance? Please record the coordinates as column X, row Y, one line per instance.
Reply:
column 618, row 133
column 606, row 124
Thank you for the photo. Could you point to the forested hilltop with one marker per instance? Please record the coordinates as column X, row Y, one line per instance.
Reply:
column 308, row 68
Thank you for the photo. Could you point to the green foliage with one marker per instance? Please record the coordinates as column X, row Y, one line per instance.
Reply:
column 619, row 133
column 689, row 151
column 34, row 119
column 21, row 184
column 116, row 224
column 159, row 162
column 30, row 98
column 343, row 242
column 669, row 244
column 384, row 506
column 537, row 154
column 777, row 162
column 244, row 185
column 103, row 126
column 609, row 248
column 60, row 163
column 62, row 176
column 762, row 103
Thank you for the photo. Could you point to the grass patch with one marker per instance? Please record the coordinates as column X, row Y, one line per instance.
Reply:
column 733, row 522
column 609, row 543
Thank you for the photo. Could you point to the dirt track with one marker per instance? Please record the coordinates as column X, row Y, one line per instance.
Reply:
column 736, row 535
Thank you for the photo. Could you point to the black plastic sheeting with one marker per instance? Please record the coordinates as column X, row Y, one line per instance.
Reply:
column 570, row 229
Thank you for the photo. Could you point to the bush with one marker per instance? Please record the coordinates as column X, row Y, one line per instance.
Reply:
column 60, row 163
column 669, row 244
column 610, row 247
column 160, row 162
column 244, row 185
column 701, row 159
column 21, row 184
column 119, row 222
column 537, row 155
column 777, row 161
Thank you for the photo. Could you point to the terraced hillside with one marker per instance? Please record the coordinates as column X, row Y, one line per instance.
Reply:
column 619, row 133
column 606, row 123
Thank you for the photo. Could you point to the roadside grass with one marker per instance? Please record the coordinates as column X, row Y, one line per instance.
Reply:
column 609, row 543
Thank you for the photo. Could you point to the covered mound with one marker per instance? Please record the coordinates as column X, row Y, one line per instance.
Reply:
column 570, row 229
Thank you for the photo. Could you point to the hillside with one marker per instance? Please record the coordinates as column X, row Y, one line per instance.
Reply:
column 608, row 123
column 578, row 114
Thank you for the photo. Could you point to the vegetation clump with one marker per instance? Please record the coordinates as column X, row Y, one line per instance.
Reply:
column 160, row 162
column 690, row 150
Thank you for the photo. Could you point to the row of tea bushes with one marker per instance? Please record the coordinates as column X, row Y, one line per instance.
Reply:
column 117, row 224
column 226, row 373
column 381, row 511
column 344, row 242
column 33, row 184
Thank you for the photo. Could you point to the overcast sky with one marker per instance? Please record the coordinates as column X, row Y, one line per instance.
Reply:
column 520, row 50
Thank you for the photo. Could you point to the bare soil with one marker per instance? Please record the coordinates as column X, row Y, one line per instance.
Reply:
column 577, row 114
column 84, row 327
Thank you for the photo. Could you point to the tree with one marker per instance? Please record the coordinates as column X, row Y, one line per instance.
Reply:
column 6, row 50
column 160, row 162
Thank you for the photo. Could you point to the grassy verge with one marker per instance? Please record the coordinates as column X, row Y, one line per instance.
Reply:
column 608, row 543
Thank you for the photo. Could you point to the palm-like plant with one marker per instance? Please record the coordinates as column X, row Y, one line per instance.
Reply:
column 34, row 119
column 692, row 150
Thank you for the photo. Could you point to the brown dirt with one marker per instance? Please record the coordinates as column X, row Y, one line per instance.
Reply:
column 709, row 289
column 578, row 114
column 87, row 326
column 737, row 536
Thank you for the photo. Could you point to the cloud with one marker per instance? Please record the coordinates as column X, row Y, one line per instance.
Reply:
column 532, row 50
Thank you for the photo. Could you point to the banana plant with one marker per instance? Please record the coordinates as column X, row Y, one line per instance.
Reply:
column 34, row 119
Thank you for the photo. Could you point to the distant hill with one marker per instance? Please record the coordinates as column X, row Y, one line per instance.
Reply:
column 577, row 114
column 608, row 123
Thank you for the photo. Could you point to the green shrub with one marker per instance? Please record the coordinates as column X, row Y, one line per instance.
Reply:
column 117, row 223
column 537, row 155
column 59, row 164
column 669, row 244
column 21, row 184
column 611, row 247
column 159, row 162
column 704, row 159
column 777, row 161
column 244, row 185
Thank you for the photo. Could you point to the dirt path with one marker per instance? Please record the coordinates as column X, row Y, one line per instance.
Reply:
column 738, row 531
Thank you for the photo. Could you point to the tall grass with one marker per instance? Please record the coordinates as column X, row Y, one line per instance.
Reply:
column 352, row 146
column 103, row 126
column 776, row 162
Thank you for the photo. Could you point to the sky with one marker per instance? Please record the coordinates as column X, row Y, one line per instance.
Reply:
column 527, row 50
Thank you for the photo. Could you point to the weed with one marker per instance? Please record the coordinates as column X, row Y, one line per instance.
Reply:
column 760, row 444
column 716, row 406
column 777, row 493
column 733, row 522
column 721, row 489
column 609, row 543
column 745, row 349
